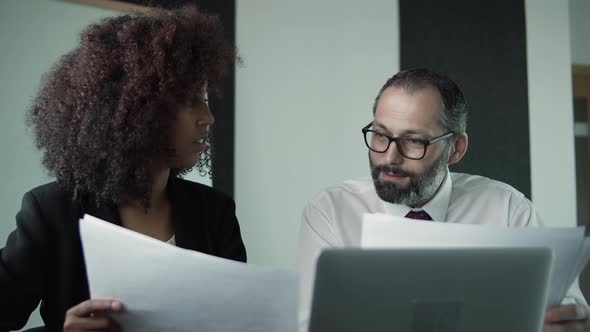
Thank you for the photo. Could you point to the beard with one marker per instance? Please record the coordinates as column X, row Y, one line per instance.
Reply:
column 422, row 187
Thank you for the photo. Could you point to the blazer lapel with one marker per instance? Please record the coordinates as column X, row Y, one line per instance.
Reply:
column 106, row 211
column 188, row 213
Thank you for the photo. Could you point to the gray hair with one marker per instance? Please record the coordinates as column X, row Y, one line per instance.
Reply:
column 454, row 115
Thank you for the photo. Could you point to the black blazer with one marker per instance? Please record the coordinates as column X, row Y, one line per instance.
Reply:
column 42, row 259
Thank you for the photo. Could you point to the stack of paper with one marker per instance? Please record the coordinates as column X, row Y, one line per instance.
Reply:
column 570, row 249
column 166, row 288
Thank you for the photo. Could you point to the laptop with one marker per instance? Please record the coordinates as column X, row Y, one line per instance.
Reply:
column 431, row 290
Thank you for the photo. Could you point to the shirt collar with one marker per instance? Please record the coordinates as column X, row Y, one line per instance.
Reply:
column 436, row 207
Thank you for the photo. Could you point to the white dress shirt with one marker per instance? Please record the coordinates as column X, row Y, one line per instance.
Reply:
column 334, row 218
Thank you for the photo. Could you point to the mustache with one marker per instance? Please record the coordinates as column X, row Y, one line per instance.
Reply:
column 391, row 169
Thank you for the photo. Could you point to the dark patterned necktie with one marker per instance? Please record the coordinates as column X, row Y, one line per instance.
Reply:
column 420, row 215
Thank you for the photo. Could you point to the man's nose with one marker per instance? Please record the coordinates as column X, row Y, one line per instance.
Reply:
column 392, row 155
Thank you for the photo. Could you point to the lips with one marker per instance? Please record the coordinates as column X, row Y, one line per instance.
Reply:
column 393, row 174
column 201, row 138
column 392, row 170
column 198, row 144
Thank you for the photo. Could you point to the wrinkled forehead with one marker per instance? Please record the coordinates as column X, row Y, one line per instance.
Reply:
column 416, row 110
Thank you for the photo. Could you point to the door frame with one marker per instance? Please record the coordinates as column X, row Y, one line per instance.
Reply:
column 581, row 89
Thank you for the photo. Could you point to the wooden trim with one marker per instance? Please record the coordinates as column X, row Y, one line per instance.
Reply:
column 581, row 86
column 581, row 81
column 581, row 70
column 114, row 5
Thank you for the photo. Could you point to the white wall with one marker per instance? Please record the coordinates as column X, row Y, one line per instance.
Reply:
column 312, row 69
column 551, row 111
column 580, row 30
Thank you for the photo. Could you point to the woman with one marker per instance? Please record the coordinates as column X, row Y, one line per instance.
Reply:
column 119, row 119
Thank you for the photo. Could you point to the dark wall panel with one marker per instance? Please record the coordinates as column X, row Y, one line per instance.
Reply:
column 482, row 46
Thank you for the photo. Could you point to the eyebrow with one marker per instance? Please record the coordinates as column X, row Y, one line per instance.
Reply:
column 404, row 133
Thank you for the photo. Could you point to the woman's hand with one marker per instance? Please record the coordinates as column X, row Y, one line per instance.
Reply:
column 567, row 318
column 92, row 315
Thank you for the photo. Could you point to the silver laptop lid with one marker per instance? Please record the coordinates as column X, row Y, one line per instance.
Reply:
column 431, row 290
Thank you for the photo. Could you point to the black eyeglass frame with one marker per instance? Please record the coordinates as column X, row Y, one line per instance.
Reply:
column 425, row 143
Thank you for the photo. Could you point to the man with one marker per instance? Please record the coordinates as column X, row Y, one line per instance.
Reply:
column 419, row 128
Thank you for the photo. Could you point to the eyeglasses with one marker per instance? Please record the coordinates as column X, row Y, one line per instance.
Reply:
column 411, row 148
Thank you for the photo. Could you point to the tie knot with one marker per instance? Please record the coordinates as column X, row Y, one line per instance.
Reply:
column 420, row 215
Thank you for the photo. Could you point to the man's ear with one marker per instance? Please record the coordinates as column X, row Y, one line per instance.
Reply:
column 459, row 148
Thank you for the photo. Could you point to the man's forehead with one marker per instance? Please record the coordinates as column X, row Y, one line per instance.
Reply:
column 417, row 91
column 416, row 111
column 397, row 130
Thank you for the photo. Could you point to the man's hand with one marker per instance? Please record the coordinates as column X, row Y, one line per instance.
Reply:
column 92, row 315
column 567, row 318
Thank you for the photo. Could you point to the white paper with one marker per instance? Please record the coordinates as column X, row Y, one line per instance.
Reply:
column 386, row 231
column 166, row 288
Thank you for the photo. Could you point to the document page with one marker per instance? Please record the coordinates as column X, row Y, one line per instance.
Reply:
column 571, row 251
column 166, row 288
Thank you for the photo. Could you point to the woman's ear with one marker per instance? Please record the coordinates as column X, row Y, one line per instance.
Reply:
column 459, row 148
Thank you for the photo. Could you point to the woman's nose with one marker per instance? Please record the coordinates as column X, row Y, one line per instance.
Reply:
column 205, row 116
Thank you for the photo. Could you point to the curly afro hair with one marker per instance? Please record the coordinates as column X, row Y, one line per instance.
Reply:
column 103, row 113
